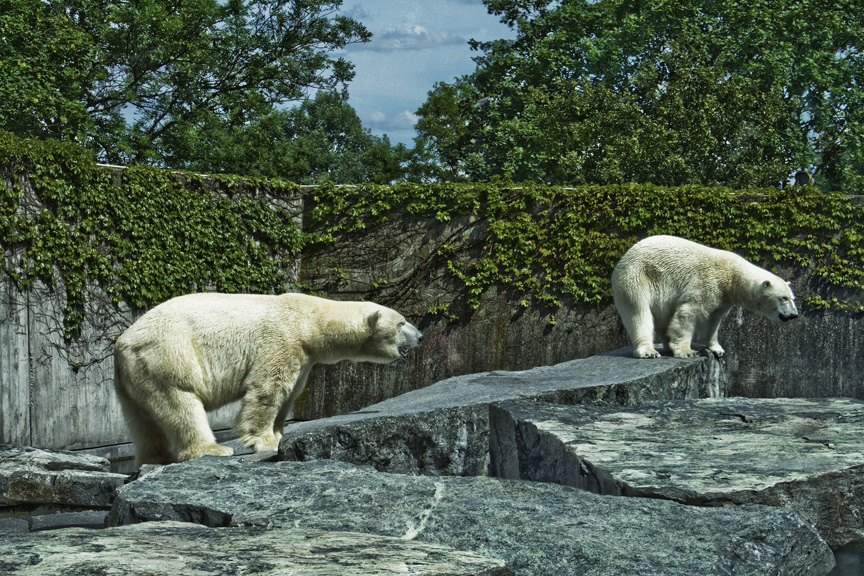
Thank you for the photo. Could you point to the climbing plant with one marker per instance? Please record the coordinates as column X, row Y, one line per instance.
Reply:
column 554, row 242
column 146, row 235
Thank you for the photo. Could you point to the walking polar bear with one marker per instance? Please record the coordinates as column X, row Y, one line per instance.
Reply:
column 679, row 291
column 198, row 352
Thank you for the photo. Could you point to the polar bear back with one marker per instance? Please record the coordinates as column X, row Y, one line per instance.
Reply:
column 218, row 342
column 667, row 269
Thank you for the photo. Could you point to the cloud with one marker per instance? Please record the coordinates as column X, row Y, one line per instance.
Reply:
column 409, row 37
column 357, row 12
column 378, row 120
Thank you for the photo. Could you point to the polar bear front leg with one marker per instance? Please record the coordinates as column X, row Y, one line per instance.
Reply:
column 713, row 328
column 680, row 331
column 257, row 416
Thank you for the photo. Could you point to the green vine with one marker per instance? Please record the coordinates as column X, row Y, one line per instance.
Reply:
column 145, row 236
column 553, row 242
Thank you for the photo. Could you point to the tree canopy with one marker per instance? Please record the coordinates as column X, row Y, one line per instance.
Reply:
column 320, row 140
column 731, row 92
column 186, row 83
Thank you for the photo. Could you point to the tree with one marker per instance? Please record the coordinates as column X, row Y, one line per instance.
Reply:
column 152, row 75
column 663, row 91
column 45, row 66
column 321, row 140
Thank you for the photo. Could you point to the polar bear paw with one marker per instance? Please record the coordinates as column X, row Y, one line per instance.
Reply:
column 645, row 352
column 685, row 353
column 264, row 443
column 717, row 350
column 204, row 450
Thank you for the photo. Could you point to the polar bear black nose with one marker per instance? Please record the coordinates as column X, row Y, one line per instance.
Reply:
column 787, row 317
column 420, row 338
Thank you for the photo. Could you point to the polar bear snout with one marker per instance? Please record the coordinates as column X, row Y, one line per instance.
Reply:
column 787, row 309
column 412, row 337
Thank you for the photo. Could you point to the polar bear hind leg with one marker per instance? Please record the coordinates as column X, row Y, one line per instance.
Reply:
column 713, row 327
column 637, row 319
column 151, row 444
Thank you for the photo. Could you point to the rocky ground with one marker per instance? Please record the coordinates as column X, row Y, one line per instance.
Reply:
column 602, row 466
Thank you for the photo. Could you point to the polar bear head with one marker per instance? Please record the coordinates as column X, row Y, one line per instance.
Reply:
column 390, row 336
column 776, row 300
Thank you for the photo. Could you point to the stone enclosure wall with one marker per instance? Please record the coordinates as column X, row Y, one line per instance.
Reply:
column 59, row 394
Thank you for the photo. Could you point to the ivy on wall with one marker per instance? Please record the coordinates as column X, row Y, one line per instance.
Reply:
column 145, row 237
column 549, row 242
column 154, row 234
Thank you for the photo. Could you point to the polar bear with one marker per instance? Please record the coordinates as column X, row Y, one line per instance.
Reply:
column 679, row 291
column 198, row 352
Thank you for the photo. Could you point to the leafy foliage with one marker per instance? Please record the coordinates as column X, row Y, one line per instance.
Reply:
column 138, row 82
column 322, row 140
column 551, row 243
column 46, row 66
column 668, row 92
column 155, row 235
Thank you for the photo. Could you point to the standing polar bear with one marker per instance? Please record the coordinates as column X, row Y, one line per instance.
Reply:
column 198, row 352
column 680, row 291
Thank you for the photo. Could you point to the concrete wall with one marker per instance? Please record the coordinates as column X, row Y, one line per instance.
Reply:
column 58, row 394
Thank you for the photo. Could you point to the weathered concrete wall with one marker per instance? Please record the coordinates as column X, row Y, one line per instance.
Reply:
column 399, row 264
column 58, row 394
column 819, row 355
column 14, row 366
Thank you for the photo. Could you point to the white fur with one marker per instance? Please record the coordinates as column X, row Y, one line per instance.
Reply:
column 680, row 291
column 199, row 352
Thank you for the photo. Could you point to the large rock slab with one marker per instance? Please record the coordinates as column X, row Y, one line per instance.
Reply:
column 182, row 549
column 34, row 476
column 537, row 528
column 444, row 429
column 797, row 453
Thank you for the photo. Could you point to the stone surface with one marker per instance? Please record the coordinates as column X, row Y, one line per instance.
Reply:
column 94, row 519
column 536, row 528
column 798, row 453
column 30, row 475
column 444, row 429
column 182, row 549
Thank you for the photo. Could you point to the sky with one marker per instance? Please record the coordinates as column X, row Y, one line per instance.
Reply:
column 415, row 43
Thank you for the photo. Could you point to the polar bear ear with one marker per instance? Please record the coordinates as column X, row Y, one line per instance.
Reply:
column 766, row 284
column 372, row 319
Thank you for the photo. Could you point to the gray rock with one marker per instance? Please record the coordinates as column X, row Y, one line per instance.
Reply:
column 537, row 528
column 797, row 453
column 182, row 549
column 94, row 519
column 31, row 475
column 444, row 429
column 9, row 525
